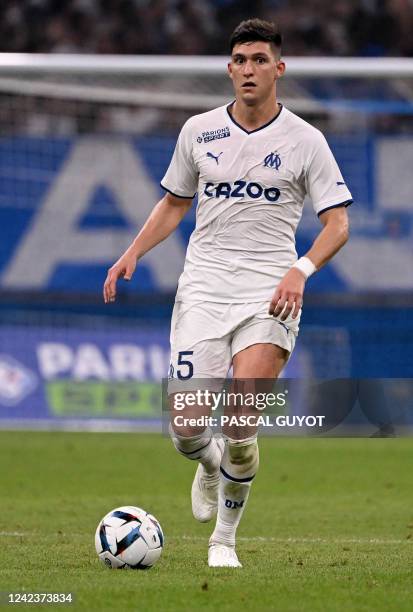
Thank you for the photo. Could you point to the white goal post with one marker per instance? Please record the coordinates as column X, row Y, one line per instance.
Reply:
column 391, row 67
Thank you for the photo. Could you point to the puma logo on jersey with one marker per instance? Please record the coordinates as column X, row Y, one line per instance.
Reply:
column 216, row 157
column 273, row 160
column 241, row 189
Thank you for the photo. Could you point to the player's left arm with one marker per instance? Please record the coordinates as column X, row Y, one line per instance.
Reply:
column 334, row 235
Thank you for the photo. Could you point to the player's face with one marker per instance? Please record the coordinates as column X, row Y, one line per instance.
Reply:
column 254, row 68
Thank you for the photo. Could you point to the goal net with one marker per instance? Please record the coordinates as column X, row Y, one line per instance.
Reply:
column 96, row 117
column 85, row 141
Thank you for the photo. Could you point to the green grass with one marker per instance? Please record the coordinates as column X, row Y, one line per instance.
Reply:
column 328, row 526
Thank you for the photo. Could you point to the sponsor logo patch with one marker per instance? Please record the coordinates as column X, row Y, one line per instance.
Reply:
column 210, row 135
column 241, row 189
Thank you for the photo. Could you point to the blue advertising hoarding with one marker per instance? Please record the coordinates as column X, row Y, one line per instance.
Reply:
column 70, row 206
column 80, row 377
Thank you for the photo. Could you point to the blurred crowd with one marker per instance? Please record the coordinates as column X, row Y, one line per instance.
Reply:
column 310, row 27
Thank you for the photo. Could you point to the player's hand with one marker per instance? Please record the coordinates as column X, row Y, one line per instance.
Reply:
column 288, row 296
column 123, row 268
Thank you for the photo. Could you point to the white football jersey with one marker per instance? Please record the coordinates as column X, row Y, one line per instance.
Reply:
column 251, row 189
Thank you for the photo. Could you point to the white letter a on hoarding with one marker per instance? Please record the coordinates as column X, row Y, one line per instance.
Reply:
column 54, row 237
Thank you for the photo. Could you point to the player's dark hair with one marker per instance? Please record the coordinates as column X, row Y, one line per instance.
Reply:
column 253, row 30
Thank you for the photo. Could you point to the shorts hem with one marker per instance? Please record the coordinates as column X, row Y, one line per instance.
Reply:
column 280, row 336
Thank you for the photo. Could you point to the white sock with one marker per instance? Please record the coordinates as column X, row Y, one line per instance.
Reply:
column 238, row 468
column 202, row 448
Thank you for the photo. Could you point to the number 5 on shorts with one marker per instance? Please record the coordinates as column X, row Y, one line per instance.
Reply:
column 186, row 363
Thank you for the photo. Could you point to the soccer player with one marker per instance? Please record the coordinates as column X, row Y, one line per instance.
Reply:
column 239, row 297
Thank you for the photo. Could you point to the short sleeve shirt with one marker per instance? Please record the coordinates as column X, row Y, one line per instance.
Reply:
column 251, row 192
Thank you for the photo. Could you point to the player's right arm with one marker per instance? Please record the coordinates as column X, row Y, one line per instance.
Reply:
column 162, row 221
column 180, row 179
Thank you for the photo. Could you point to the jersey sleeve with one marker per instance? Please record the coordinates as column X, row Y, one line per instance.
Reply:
column 324, row 182
column 181, row 178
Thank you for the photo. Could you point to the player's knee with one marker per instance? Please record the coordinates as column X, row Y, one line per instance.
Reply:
column 188, row 443
column 242, row 457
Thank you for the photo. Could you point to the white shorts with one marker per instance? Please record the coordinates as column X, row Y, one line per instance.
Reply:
column 205, row 336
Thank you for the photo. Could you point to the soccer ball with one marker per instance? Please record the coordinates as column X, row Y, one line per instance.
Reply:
column 129, row 537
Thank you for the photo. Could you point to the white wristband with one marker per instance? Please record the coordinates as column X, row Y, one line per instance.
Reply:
column 306, row 266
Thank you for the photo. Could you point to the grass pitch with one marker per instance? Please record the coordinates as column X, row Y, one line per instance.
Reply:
column 329, row 524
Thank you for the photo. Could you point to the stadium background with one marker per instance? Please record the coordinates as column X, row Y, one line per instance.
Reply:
column 78, row 176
